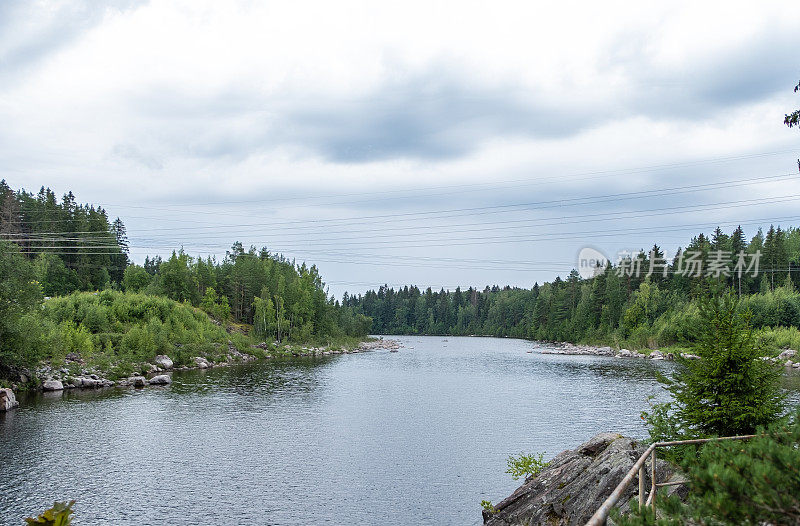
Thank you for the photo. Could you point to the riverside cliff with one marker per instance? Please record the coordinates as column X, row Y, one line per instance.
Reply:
column 575, row 484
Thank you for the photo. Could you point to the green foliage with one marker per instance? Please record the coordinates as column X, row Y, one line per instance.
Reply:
column 793, row 119
column 58, row 515
column 65, row 271
column 749, row 482
column 488, row 506
column 215, row 305
column 525, row 465
column 126, row 327
column 20, row 298
column 136, row 279
column 730, row 390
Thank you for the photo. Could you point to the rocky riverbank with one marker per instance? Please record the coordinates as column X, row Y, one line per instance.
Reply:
column 75, row 374
column 576, row 482
column 590, row 350
column 788, row 357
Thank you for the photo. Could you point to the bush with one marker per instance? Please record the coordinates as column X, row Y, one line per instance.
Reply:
column 525, row 465
column 58, row 515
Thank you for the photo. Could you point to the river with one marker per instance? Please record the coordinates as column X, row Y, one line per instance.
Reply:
column 419, row 436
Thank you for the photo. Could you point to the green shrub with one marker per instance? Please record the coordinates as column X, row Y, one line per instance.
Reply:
column 729, row 391
column 58, row 515
column 734, row 483
column 525, row 465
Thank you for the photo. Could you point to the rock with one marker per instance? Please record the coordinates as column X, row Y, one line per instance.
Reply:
column 138, row 381
column 688, row 356
column 575, row 484
column 161, row 379
column 202, row 363
column 788, row 363
column 7, row 400
column 91, row 383
column 624, row 353
column 656, row 355
column 164, row 361
column 788, row 353
column 73, row 357
column 52, row 385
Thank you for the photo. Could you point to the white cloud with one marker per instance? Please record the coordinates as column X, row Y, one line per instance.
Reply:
column 168, row 103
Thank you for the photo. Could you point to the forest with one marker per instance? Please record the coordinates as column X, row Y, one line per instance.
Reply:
column 67, row 286
column 645, row 309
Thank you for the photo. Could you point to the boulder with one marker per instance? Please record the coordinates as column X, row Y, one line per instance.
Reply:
column 575, row 484
column 161, row 379
column 7, row 400
column 138, row 381
column 90, row 383
column 788, row 353
column 656, row 355
column 163, row 361
column 202, row 363
column 52, row 385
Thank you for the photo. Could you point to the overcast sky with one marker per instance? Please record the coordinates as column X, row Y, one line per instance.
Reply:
column 436, row 143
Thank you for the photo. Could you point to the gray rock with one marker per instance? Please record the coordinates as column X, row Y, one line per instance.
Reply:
column 161, row 379
column 656, row 355
column 90, row 383
column 7, row 400
column 788, row 363
column 575, row 484
column 788, row 353
column 163, row 361
column 202, row 363
column 138, row 381
column 52, row 385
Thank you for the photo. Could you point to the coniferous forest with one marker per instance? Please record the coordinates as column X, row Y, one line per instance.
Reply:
column 67, row 286
column 618, row 306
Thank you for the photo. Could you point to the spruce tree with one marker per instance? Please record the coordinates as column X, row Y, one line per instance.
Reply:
column 730, row 390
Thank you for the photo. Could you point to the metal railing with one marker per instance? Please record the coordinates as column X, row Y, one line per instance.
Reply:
column 638, row 469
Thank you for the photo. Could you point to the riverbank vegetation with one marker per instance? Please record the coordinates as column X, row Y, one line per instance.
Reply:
column 616, row 307
column 67, row 288
column 730, row 391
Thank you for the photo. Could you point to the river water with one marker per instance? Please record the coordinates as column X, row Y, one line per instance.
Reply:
column 418, row 436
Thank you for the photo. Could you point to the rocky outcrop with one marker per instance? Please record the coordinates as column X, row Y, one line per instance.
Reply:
column 161, row 379
column 575, row 484
column 7, row 400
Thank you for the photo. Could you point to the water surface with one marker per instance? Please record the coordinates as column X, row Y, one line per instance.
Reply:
column 418, row 436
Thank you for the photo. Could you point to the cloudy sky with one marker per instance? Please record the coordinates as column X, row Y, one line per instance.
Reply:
column 437, row 143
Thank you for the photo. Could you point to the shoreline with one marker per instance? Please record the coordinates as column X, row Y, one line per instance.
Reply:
column 789, row 358
column 162, row 366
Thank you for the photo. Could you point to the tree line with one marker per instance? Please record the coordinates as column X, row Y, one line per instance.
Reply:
column 654, row 306
column 51, row 248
